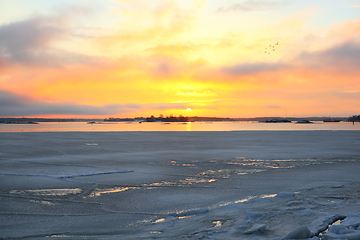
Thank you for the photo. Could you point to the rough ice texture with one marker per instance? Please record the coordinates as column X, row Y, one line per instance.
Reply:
column 322, row 223
column 302, row 232
column 253, row 215
column 352, row 220
column 190, row 212
column 256, row 228
column 348, row 229
column 336, row 228
column 166, row 185
column 285, row 194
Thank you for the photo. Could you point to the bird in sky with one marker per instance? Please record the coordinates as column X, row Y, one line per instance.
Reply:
column 273, row 47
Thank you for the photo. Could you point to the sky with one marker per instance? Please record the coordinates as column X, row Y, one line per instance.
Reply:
column 136, row 58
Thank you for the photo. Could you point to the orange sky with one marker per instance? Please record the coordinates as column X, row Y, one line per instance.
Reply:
column 125, row 58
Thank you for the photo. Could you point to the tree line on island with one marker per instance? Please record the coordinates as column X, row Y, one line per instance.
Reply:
column 152, row 118
column 355, row 118
column 171, row 118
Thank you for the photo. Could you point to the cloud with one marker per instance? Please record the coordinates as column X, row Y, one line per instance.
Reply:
column 253, row 68
column 16, row 105
column 8, row 100
column 343, row 58
column 254, row 5
column 32, row 41
column 120, row 106
column 349, row 51
column 24, row 41
column 272, row 106
column 345, row 31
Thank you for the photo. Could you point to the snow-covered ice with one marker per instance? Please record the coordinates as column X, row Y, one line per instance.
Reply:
column 180, row 185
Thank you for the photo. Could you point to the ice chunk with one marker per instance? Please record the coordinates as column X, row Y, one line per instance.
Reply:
column 349, row 236
column 346, row 231
column 256, row 228
column 336, row 228
column 302, row 232
column 352, row 236
column 352, row 220
column 330, row 235
column 322, row 223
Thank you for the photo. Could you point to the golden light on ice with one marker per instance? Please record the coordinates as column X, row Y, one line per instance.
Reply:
column 188, row 109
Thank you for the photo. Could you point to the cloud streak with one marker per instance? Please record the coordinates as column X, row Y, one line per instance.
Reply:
column 16, row 105
column 253, row 68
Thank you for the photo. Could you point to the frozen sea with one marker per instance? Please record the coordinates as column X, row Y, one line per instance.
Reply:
column 180, row 184
column 176, row 126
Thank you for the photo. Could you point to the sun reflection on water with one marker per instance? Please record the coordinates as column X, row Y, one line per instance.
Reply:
column 159, row 220
column 49, row 192
column 226, row 173
column 218, row 223
column 262, row 163
column 97, row 192
column 268, row 196
column 182, row 217
column 182, row 182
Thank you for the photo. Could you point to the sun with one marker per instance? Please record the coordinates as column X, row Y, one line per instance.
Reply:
column 188, row 109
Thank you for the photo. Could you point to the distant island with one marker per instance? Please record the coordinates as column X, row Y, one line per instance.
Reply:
column 24, row 120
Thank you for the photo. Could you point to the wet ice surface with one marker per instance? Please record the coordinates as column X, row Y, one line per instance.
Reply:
column 179, row 185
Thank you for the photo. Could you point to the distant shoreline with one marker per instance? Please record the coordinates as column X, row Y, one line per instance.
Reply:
column 22, row 120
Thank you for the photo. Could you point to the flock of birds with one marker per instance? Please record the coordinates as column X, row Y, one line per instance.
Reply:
column 273, row 48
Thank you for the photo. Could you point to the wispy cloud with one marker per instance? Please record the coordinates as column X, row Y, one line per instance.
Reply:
column 254, row 5
column 145, row 25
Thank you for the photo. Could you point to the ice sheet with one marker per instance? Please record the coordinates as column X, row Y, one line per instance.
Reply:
column 176, row 185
